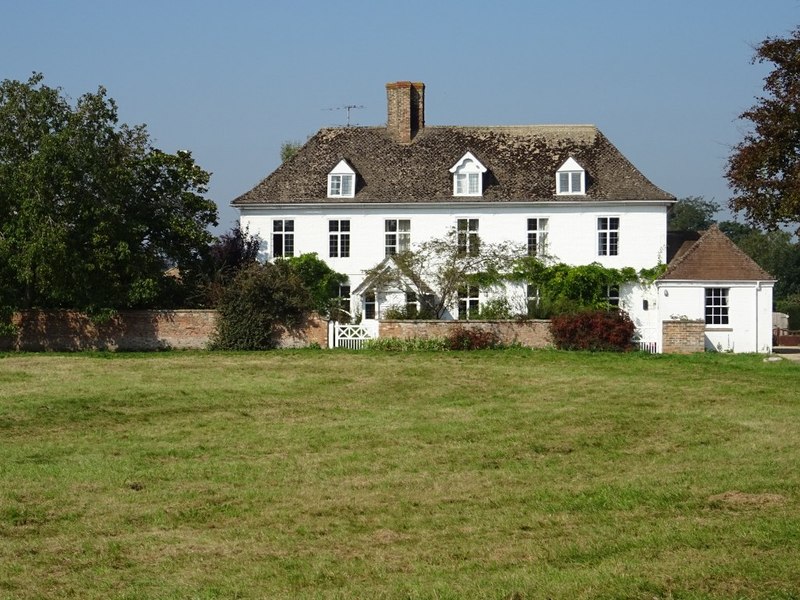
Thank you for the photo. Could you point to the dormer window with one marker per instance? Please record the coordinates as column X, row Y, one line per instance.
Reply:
column 468, row 176
column 571, row 178
column 342, row 181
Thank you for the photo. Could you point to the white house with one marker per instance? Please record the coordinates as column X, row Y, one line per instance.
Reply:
column 355, row 195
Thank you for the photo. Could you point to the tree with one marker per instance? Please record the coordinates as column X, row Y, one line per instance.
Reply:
column 437, row 270
column 260, row 300
column 228, row 254
column 319, row 279
column 764, row 168
column 91, row 214
column 693, row 213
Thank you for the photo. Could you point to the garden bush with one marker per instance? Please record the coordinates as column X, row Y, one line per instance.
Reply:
column 260, row 299
column 471, row 339
column 595, row 330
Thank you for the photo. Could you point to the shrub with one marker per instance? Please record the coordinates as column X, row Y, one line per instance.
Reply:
column 405, row 345
column 496, row 309
column 595, row 330
column 471, row 339
column 260, row 299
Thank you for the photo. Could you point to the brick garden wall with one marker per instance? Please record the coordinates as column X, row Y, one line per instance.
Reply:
column 531, row 334
column 136, row 330
column 683, row 337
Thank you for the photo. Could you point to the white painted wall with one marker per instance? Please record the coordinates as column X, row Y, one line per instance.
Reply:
column 572, row 235
column 743, row 333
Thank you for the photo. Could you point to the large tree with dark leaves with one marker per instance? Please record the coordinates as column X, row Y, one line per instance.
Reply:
column 91, row 214
column 764, row 168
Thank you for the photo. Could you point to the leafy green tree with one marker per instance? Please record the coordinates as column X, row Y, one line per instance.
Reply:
column 261, row 299
column 693, row 213
column 91, row 214
column 320, row 280
column 764, row 168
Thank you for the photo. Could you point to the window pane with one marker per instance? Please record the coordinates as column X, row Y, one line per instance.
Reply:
column 613, row 223
column 347, row 185
column 288, row 244
column 473, row 183
column 336, row 185
column 344, row 225
column 344, row 245
column 333, row 246
column 333, row 225
column 277, row 226
column 391, row 225
column 288, row 225
column 576, row 183
column 404, row 225
column 563, row 183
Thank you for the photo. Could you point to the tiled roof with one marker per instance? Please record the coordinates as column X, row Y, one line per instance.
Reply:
column 714, row 257
column 521, row 161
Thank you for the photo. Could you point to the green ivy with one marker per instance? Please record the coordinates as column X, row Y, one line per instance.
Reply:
column 566, row 288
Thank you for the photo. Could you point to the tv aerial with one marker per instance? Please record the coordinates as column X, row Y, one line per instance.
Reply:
column 348, row 108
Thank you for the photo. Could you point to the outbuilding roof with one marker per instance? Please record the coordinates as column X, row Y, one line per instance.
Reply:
column 714, row 257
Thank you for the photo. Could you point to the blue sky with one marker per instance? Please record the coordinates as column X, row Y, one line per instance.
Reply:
column 230, row 81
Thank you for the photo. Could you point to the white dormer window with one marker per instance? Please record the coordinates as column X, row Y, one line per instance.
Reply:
column 571, row 178
column 342, row 181
column 468, row 176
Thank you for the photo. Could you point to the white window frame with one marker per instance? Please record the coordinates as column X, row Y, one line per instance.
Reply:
column 469, row 301
column 283, row 229
column 538, row 228
column 612, row 295
column 342, row 181
column 468, row 176
column 467, row 237
column 339, row 238
column 571, row 179
column 608, row 236
column 717, row 306
column 396, row 239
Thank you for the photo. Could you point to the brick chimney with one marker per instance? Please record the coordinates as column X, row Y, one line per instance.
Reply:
column 406, row 109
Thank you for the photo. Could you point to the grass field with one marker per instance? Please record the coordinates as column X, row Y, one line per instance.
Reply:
column 324, row 474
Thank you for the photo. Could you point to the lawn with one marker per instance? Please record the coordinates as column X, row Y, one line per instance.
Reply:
column 327, row 474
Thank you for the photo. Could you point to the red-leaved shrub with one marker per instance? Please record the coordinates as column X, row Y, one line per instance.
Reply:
column 471, row 339
column 595, row 330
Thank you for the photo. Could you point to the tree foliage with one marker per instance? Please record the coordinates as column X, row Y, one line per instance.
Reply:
column 91, row 214
column 228, row 254
column 319, row 279
column 566, row 288
column 764, row 168
column 437, row 269
column 261, row 299
column 693, row 213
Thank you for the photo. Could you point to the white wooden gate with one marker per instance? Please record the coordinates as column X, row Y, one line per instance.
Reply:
column 351, row 337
